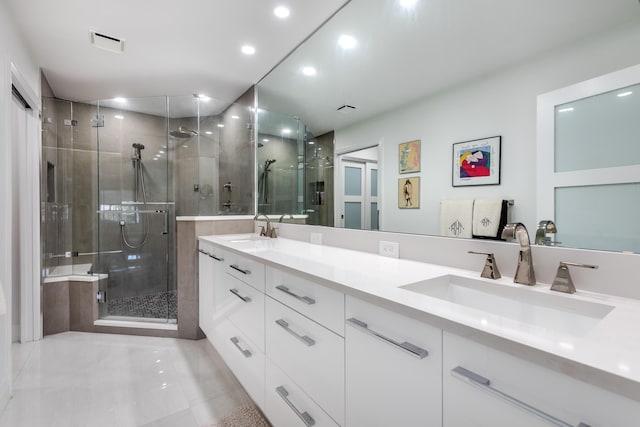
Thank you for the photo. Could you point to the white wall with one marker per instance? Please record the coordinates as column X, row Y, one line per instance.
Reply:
column 501, row 104
column 13, row 50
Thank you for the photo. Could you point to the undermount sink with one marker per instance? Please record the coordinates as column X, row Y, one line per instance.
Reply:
column 549, row 311
column 241, row 238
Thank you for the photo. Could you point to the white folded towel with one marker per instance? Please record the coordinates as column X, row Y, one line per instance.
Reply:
column 456, row 218
column 486, row 217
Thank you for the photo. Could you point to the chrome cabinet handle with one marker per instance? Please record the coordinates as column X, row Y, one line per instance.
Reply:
column 204, row 252
column 485, row 385
column 236, row 342
column 305, row 339
column 304, row 299
column 216, row 258
column 407, row 347
column 237, row 293
column 304, row 416
column 235, row 267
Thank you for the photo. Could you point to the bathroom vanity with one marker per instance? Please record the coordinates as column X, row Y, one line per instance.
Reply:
column 326, row 336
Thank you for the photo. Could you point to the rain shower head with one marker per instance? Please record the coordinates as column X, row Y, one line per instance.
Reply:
column 183, row 132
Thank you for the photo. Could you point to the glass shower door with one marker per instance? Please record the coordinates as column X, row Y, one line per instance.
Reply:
column 135, row 210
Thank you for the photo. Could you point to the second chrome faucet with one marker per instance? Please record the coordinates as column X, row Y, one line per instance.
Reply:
column 524, row 271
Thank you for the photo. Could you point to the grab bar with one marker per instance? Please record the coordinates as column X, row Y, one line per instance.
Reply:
column 70, row 254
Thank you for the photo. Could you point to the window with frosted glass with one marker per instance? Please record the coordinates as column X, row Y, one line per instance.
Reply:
column 353, row 215
column 598, row 132
column 352, row 181
column 374, row 216
column 599, row 216
column 374, row 183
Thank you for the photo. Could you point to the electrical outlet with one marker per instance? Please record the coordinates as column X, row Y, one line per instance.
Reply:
column 316, row 238
column 390, row 249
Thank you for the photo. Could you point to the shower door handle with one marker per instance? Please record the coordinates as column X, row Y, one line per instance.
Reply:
column 166, row 222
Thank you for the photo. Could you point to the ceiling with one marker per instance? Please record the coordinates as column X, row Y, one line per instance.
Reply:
column 171, row 47
column 405, row 55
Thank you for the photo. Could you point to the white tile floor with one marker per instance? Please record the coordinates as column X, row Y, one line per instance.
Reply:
column 86, row 380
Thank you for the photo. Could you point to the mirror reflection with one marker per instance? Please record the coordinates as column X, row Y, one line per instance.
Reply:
column 441, row 73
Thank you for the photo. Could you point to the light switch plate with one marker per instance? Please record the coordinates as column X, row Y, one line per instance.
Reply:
column 389, row 249
column 316, row 238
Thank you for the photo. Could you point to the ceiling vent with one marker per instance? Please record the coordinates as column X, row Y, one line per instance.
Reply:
column 110, row 43
column 345, row 109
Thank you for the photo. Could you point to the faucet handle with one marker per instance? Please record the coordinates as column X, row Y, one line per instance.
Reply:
column 490, row 270
column 262, row 231
column 563, row 282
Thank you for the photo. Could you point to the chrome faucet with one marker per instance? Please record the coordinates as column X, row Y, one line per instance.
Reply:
column 283, row 215
column 545, row 226
column 269, row 231
column 524, row 272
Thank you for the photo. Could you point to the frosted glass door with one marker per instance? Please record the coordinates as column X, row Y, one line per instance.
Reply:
column 354, row 194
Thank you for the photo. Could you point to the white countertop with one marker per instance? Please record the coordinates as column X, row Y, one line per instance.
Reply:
column 607, row 355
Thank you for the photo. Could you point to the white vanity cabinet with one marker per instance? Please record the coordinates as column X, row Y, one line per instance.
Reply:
column 486, row 387
column 210, row 269
column 238, row 322
column 393, row 368
column 305, row 355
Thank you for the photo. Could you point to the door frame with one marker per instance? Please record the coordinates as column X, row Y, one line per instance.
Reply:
column 30, row 156
column 348, row 154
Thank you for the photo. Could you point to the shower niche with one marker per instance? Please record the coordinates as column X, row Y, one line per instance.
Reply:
column 120, row 174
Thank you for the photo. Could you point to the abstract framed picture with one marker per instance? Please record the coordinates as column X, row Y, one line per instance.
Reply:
column 409, row 192
column 409, row 157
column 477, row 162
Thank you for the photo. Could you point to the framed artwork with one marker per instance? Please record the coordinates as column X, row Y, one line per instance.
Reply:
column 409, row 192
column 477, row 162
column 409, row 157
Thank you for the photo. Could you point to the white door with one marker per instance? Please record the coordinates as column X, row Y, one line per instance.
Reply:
column 359, row 195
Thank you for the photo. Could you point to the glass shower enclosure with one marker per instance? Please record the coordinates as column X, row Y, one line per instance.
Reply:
column 115, row 175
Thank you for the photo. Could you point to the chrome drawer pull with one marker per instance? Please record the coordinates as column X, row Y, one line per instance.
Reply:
column 407, row 347
column 236, row 342
column 204, row 252
column 235, row 267
column 216, row 258
column 305, row 339
column 485, row 384
column 304, row 416
column 305, row 299
column 237, row 293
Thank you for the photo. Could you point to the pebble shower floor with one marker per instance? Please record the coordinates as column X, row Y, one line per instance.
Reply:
column 162, row 305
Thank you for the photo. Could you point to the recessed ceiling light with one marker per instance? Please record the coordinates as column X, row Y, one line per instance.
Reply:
column 265, row 140
column 286, row 131
column 347, row 42
column 625, row 94
column 119, row 117
column 119, row 100
column 311, row 142
column 235, row 117
column 408, row 4
column 209, row 132
column 309, row 71
column 220, row 125
column 565, row 110
column 281, row 12
column 248, row 50
column 155, row 158
column 161, row 152
column 202, row 97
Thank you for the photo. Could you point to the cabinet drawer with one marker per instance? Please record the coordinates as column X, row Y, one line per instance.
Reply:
column 393, row 368
column 322, row 304
column 495, row 388
column 244, row 359
column 243, row 305
column 286, row 405
column 311, row 355
column 247, row 270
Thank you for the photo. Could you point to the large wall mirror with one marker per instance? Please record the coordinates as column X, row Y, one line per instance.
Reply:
column 382, row 73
